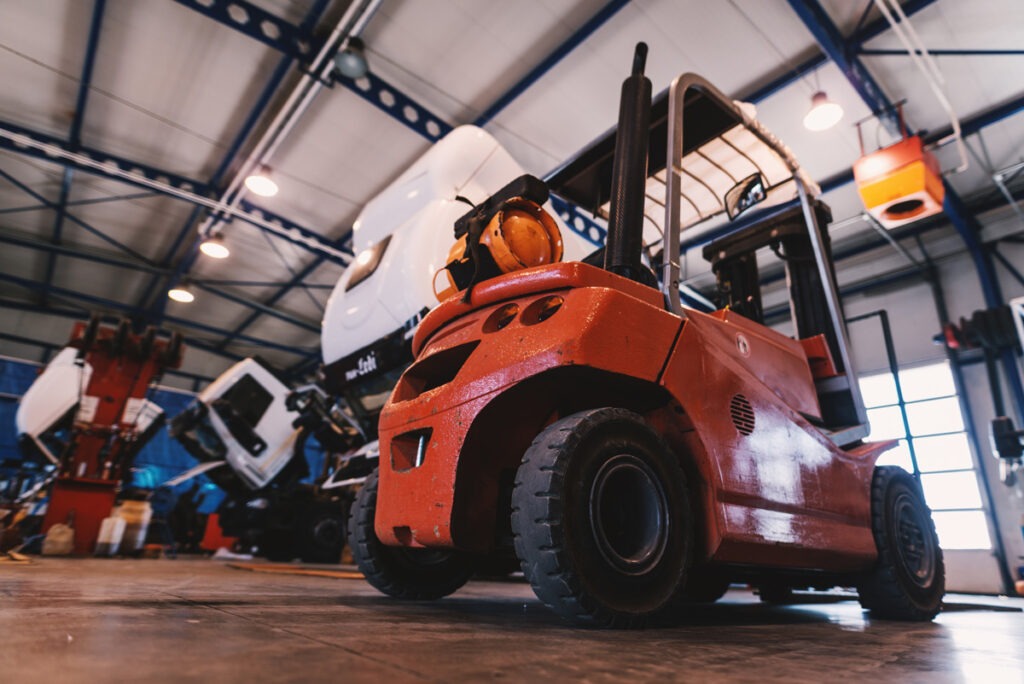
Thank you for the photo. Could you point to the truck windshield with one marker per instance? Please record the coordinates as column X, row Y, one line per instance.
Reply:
column 371, row 394
column 247, row 399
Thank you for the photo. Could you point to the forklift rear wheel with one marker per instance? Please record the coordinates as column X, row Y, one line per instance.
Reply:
column 412, row 574
column 601, row 519
column 909, row 579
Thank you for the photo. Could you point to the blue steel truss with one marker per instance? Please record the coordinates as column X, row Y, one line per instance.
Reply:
column 80, row 202
column 71, row 217
column 111, row 305
column 397, row 105
column 549, row 62
column 269, row 28
column 261, row 25
column 579, row 222
column 148, row 267
column 75, row 134
column 111, row 162
column 851, row 46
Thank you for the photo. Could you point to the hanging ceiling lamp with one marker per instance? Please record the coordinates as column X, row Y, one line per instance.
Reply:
column 351, row 62
column 824, row 113
column 181, row 294
column 214, row 247
column 261, row 183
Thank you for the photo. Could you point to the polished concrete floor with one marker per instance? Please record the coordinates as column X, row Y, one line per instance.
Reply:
column 90, row 620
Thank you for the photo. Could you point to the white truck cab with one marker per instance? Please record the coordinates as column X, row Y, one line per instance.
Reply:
column 401, row 240
column 242, row 419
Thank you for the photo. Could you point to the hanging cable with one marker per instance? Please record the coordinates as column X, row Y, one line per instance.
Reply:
column 929, row 69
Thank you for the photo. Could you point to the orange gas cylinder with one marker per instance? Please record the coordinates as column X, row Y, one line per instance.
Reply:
column 521, row 235
column 901, row 183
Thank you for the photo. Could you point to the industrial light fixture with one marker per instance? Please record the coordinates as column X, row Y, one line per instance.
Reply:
column 824, row 113
column 351, row 62
column 214, row 247
column 261, row 183
column 181, row 294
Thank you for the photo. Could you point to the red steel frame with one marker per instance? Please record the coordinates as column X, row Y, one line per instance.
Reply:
column 93, row 467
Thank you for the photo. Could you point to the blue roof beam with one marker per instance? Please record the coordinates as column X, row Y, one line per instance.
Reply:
column 269, row 28
column 80, row 202
column 549, row 62
column 75, row 135
column 163, row 182
column 872, row 30
column 127, row 309
column 297, row 42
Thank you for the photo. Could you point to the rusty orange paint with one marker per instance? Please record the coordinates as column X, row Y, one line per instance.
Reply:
column 777, row 492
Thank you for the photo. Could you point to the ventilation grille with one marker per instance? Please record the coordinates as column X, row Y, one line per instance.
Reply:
column 742, row 414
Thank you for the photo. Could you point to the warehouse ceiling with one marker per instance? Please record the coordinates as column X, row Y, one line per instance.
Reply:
column 123, row 117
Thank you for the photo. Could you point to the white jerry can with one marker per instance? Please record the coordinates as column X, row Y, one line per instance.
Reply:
column 111, row 532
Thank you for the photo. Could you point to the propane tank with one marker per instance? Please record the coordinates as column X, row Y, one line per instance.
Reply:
column 518, row 233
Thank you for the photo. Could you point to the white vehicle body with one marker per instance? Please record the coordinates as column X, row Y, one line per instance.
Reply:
column 63, row 388
column 54, row 393
column 401, row 240
column 415, row 215
column 248, row 400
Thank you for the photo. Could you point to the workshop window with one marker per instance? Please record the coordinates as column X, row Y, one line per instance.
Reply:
column 937, row 433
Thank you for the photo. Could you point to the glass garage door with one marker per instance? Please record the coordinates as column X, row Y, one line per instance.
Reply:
column 936, row 432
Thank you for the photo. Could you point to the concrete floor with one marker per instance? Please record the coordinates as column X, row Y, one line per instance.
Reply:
column 90, row 620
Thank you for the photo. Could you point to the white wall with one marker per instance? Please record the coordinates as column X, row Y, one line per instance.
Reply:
column 914, row 321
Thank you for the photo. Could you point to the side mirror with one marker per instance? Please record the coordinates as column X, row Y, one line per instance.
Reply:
column 745, row 194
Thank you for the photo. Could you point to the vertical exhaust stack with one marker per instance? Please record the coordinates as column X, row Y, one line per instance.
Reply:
column 629, row 173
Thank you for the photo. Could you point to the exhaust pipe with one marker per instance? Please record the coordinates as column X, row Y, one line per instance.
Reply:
column 629, row 173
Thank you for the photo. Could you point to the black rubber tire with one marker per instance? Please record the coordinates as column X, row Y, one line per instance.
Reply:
column 704, row 585
column 909, row 579
column 592, row 560
column 410, row 574
column 775, row 594
column 323, row 533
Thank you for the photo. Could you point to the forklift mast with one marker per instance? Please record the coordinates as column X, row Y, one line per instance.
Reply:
column 733, row 260
column 692, row 123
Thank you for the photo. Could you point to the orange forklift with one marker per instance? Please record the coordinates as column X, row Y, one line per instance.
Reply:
column 636, row 456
